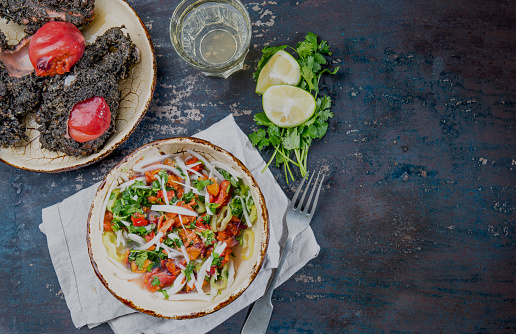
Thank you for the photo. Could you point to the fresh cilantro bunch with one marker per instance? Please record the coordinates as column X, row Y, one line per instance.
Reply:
column 294, row 143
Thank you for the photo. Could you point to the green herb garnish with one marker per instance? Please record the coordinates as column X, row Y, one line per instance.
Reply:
column 291, row 145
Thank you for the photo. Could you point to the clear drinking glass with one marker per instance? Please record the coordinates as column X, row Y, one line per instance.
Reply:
column 213, row 36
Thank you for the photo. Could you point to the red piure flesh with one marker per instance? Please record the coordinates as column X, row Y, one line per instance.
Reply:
column 89, row 119
column 55, row 48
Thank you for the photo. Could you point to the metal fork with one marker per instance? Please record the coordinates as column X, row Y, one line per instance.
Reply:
column 298, row 217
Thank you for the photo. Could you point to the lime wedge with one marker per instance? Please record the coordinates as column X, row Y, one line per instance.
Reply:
column 288, row 106
column 280, row 69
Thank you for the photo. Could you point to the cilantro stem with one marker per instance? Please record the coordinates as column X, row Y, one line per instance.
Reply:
column 300, row 161
column 284, row 156
column 288, row 167
column 270, row 160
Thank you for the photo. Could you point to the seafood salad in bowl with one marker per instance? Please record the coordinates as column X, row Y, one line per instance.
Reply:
column 178, row 229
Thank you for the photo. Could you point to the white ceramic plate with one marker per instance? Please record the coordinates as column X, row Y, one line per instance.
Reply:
column 142, row 300
column 136, row 92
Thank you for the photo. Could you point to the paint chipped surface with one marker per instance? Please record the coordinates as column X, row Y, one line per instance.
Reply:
column 307, row 279
column 417, row 217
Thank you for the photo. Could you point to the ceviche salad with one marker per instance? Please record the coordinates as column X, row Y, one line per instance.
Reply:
column 174, row 222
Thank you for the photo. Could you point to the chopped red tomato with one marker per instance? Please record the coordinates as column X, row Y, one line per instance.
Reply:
column 151, row 176
column 138, row 219
column 223, row 197
column 196, row 168
column 170, row 194
column 150, row 236
column 158, row 279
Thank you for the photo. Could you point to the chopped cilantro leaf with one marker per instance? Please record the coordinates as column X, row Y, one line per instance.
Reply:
column 155, row 281
column 208, row 236
column 164, row 292
column 189, row 270
column 232, row 180
column 213, row 206
column 216, row 259
column 201, row 184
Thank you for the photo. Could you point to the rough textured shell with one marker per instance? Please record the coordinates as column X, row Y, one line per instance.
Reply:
column 137, row 91
column 141, row 300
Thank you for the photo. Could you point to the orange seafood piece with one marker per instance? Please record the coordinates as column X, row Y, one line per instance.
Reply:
column 193, row 252
column 213, row 188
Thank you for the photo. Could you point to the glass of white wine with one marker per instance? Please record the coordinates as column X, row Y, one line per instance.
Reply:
column 213, row 36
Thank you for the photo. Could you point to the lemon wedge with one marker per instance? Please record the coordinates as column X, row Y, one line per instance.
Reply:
column 280, row 69
column 288, row 106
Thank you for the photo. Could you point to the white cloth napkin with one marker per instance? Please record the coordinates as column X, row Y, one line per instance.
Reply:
column 91, row 304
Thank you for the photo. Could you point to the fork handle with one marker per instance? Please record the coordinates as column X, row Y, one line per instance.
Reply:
column 260, row 315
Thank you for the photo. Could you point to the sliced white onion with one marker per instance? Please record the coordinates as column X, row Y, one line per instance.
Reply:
column 194, row 164
column 104, row 205
column 142, row 187
column 118, row 237
column 191, row 282
column 123, row 177
column 149, row 227
column 228, row 169
column 194, row 172
column 185, row 254
column 177, row 286
column 150, row 242
column 231, row 273
column 201, row 274
column 244, row 209
column 163, row 190
column 129, row 276
column 125, row 223
column 159, row 295
column 179, row 265
column 207, row 165
column 174, row 209
column 187, row 186
column 206, row 202
column 135, row 197
column 221, row 246
column 136, row 238
column 181, row 221
column 173, row 236
column 182, row 166
column 126, row 185
column 117, row 264
column 213, row 290
column 191, row 296
column 172, row 253
column 138, row 167
column 166, row 167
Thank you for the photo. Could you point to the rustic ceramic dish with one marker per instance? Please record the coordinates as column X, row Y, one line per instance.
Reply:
column 142, row 300
column 136, row 92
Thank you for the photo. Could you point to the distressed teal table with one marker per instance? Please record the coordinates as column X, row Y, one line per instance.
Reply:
column 417, row 218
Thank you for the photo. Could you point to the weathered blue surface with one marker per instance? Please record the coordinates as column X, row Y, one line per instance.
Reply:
column 417, row 220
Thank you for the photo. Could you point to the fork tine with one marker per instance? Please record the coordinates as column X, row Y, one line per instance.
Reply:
column 314, row 206
column 307, row 205
column 302, row 200
column 293, row 201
